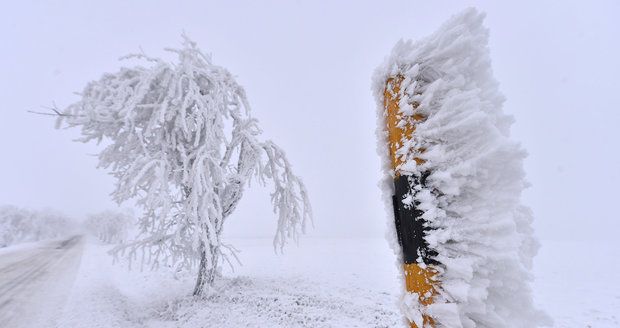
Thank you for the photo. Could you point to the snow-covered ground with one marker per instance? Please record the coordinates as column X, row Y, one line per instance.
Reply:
column 578, row 283
column 321, row 283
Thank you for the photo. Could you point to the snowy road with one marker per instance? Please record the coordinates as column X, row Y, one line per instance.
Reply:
column 35, row 282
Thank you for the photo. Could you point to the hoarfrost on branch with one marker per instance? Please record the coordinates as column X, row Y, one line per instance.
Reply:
column 183, row 144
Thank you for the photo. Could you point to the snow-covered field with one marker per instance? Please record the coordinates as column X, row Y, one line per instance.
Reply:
column 321, row 283
column 577, row 283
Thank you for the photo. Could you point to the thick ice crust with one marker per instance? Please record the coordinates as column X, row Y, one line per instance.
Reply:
column 481, row 230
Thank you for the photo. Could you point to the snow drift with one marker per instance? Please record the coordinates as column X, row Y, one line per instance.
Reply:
column 479, row 228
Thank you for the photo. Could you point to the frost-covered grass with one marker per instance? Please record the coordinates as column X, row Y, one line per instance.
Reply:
column 322, row 283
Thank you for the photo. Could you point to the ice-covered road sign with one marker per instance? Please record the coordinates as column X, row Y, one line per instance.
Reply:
column 410, row 228
column 452, row 183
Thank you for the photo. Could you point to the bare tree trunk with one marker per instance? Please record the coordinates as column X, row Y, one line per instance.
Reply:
column 207, row 269
column 202, row 272
column 208, row 260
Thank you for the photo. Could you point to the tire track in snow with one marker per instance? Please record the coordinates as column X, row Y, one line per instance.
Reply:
column 34, row 283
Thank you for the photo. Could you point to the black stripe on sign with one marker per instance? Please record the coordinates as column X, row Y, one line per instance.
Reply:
column 410, row 226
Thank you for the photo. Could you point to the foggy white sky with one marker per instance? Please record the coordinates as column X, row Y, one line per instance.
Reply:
column 306, row 66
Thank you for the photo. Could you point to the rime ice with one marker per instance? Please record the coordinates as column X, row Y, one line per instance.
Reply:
column 480, row 230
column 184, row 145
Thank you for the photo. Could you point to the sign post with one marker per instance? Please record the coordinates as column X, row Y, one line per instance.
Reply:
column 419, row 264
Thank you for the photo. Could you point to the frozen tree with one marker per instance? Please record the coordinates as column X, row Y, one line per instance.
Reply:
column 110, row 226
column 15, row 225
column 18, row 225
column 183, row 144
column 473, row 176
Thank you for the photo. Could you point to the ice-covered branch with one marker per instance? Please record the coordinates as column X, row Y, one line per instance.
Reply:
column 289, row 198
